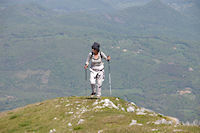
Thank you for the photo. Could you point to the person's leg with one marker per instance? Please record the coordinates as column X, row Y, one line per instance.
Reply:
column 100, row 79
column 93, row 89
column 93, row 82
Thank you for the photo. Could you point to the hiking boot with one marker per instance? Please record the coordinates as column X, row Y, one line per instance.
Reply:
column 98, row 96
column 93, row 94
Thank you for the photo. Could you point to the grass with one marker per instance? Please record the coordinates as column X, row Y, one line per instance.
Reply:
column 13, row 117
column 54, row 114
column 78, row 128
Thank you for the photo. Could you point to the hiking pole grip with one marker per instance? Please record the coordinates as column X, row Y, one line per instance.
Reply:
column 109, row 65
column 109, row 76
column 86, row 82
column 85, row 74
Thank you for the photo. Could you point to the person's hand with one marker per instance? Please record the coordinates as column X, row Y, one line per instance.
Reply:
column 86, row 66
column 108, row 58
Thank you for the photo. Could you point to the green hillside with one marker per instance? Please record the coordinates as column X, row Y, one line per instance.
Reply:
column 155, row 58
column 82, row 114
column 158, row 19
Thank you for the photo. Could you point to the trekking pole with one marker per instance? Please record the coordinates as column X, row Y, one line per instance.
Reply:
column 109, row 76
column 85, row 74
column 86, row 82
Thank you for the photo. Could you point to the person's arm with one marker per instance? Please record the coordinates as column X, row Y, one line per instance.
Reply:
column 105, row 57
column 88, row 60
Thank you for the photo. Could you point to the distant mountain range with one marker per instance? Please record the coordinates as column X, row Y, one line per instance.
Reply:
column 69, row 5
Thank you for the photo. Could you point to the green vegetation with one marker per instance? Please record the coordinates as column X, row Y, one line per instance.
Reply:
column 56, row 114
column 155, row 58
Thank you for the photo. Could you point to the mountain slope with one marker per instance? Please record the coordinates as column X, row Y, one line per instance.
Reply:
column 42, row 53
column 81, row 114
column 66, row 5
column 78, row 5
column 156, row 18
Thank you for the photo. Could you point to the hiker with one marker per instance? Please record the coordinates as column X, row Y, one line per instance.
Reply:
column 96, row 69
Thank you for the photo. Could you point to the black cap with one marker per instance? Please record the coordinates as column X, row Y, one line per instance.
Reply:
column 96, row 46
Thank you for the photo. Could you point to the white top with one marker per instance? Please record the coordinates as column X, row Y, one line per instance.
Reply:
column 96, row 64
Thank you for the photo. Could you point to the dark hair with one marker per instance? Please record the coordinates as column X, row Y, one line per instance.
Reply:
column 96, row 46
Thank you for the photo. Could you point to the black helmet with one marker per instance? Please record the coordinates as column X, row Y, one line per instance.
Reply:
column 96, row 46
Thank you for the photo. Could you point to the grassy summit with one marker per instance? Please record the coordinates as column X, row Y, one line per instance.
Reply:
column 82, row 114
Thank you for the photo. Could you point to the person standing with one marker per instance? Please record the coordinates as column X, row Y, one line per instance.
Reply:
column 96, row 68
